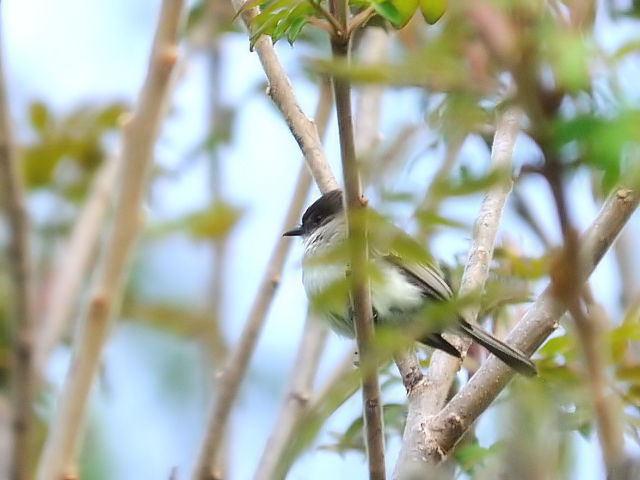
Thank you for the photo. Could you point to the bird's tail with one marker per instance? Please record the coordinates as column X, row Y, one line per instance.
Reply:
column 511, row 356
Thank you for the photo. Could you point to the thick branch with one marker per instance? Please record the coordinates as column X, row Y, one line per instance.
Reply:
column 427, row 397
column 22, row 319
column 139, row 134
column 444, row 430
column 238, row 362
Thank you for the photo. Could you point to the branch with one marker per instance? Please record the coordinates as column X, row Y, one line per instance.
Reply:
column 358, row 256
column 281, row 92
column 71, row 271
column 428, row 396
column 442, row 431
column 238, row 362
column 139, row 134
column 591, row 327
column 21, row 314
column 342, row 385
column 296, row 400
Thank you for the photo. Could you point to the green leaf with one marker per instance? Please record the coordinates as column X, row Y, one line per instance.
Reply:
column 195, row 15
column 430, row 219
column 558, row 346
column 398, row 12
column 601, row 142
column 473, row 455
column 432, row 10
column 626, row 331
column 468, row 184
column 39, row 116
column 569, row 56
column 39, row 162
column 296, row 29
column 301, row 11
column 109, row 116
column 215, row 222
column 629, row 373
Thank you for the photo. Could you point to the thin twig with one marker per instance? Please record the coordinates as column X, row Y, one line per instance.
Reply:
column 336, row 28
column 281, row 92
column 428, row 397
column 22, row 315
column 342, row 385
column 360, row 19
column 71, row 271
column 444, row 430
column 297, row 397
column 238, row 362
column 358, row 256
column 591, row 326
column 139, row 134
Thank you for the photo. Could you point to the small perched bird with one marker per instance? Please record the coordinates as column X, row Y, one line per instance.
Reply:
column 400, row 286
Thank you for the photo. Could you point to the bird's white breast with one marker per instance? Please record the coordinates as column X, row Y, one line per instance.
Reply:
column 392, row 296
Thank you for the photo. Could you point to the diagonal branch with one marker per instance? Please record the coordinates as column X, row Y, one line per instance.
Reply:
column 22, row 315
column 281, row 92
column 297, row 397
column 139, row 135
column 445, row 429
column 429, row 395
column 72, row 269
column 238, row 362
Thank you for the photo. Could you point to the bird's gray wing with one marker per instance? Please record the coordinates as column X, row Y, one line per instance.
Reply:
column 424, row 275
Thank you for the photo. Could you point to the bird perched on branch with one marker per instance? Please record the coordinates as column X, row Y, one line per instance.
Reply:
column 403, row 281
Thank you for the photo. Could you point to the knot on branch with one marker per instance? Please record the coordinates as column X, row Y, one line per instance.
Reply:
column 301, row 398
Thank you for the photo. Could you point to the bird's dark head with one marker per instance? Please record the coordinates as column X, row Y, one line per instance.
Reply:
column 319, row 213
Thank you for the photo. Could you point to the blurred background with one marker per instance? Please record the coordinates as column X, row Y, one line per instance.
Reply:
column 225, row 168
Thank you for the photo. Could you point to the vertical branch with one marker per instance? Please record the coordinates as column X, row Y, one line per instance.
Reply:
column 238, row 362
column 139, row 134
column 428, row 396
column 358, row 255
column 22, row 320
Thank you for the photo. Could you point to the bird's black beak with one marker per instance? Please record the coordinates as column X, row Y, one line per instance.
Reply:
column 296, row 232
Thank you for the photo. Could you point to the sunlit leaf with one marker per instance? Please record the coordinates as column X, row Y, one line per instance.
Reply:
column 561, row 345
column 296, row 28
column 398, row 12
column 432, row 10
column 39, row 116
column 214, row 222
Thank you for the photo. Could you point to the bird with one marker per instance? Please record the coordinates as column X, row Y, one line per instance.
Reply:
column 401, row 285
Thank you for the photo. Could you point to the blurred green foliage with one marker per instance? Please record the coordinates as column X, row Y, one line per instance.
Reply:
column 78, row 138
